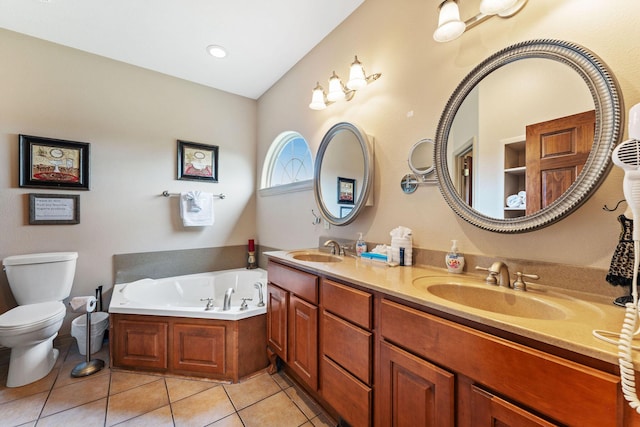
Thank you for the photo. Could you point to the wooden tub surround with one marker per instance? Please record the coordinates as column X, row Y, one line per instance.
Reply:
column 226, row 350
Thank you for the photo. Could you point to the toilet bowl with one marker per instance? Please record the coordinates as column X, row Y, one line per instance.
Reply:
column 29, row 331
column 39, row 283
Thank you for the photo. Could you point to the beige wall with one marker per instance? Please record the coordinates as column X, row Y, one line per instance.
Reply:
column 132, row 118
column 419, row 75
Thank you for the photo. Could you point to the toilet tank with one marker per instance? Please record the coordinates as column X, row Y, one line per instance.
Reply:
column 35, row 278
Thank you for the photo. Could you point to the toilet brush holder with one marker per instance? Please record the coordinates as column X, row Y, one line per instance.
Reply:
column 89, row 366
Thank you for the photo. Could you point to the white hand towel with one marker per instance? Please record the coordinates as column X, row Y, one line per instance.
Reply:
column 196, row 218
column 83, row 304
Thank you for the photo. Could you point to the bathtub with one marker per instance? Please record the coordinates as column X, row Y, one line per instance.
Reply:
column 185, row 296
column 163, row 326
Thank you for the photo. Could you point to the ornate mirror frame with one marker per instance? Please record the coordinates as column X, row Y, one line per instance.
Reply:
column 608, row 106
column 367, row 179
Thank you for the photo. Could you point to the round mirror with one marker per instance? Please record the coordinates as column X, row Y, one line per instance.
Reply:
column 527, row 136
column 343, row 173
column 421, row 158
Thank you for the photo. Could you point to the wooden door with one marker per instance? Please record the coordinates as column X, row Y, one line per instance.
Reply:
column 491, row 411
column 199, row 348
column 556, row 153
column 303, row 340
column 139, row 344
column 277, row 312
column 412, row 392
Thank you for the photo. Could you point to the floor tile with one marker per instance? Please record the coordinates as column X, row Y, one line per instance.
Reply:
column 323, row 420
column 203, row 408
column 302, row 400
column 252, row 390
column 161, row 417
column 232, row 420
column 282, row 379
column 123, row 381
column 180, row 388
column 90, row 414
column 137, row 401
column 8, row 394
column 276, row 411
column 22, row 410
column 76, row 394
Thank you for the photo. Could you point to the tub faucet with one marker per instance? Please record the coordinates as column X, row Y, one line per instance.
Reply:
column 227, row 299
column 333, row 245
column 209, row 303
column 258, row 286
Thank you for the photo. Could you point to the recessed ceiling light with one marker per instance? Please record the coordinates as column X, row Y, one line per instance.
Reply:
column 216, row 51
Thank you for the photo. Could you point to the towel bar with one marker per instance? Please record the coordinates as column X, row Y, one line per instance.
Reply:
column 165, row 193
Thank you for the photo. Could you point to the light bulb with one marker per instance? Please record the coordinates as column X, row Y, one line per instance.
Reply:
column 317, row 98
column 357, row 78
column 336, row 90
column 492, row 7
column 450, row 27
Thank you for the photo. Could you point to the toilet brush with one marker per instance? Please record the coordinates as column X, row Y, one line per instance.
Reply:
column 89, row 366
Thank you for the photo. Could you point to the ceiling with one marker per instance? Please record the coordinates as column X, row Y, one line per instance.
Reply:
column 264, row 38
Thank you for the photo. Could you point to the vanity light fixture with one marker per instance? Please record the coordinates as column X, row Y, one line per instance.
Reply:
column 358, row 79
column 450, row 26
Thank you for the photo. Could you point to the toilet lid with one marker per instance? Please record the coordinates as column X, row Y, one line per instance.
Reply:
column 31, row 314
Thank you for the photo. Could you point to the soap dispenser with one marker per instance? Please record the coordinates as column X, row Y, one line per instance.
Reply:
column 361, row 245
column 454, row 260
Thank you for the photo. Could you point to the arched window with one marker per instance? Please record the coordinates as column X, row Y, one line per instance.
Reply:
column 288, row 165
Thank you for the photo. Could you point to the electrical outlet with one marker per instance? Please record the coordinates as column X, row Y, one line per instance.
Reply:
column 326, row 224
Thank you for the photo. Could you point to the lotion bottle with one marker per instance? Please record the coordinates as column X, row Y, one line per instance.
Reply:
column 454, row 260
column 361, row 245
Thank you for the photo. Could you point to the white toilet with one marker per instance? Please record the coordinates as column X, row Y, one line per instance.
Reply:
column 39, row 283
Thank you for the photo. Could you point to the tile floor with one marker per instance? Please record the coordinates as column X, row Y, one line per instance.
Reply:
column 121, row 398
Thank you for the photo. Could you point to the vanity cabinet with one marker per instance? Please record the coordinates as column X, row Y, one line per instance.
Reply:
column 498, row 382
column 292, row 320
column 347, row 352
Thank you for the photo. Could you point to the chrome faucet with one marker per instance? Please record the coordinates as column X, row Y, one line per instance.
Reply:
column 258, row 286
column 209, row 303
column 498, row 274
column 227, row 299
column 333, row 245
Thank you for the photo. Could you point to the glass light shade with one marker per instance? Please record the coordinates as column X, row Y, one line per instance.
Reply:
column 317, row 98
column 357, row 78
column 336, row 90
column 450, row 27
column 492, row 7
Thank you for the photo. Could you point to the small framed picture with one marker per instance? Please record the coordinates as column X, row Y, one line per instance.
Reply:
column 346, row 191
column 345, row 210
column 53, row 163
column 51, row 209
column 198, row 162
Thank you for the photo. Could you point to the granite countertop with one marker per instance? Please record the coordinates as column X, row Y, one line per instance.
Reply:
column 551, row 315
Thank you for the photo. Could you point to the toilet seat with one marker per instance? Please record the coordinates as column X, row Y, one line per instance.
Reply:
column 30, row 317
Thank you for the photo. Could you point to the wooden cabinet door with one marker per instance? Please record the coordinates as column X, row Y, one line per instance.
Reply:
column 491, row 411
column 140, row 344
column 412, row 392
column 199, row 348
column 277, row 311
column 303, row 340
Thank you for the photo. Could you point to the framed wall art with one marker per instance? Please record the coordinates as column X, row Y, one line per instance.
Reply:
column 48, row 209
column 198, row 162
column 53, row 163
column 346, row 191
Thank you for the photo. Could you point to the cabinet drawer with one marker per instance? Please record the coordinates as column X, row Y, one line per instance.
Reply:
column 348, row 396
column 348, row 303
column 347, row 345
column 303, row 284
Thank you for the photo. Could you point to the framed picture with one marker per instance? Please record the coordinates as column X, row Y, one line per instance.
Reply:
column 198, row 162
column 53, row 163
column 345, row 210
column 50, row 209
column 346, row 191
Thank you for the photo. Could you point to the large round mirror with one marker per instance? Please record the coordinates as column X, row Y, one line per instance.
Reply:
column 343, row 173
column 527, row 136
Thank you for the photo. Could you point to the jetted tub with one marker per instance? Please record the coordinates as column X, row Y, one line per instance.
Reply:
column 185, row 296
column 163, row 325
